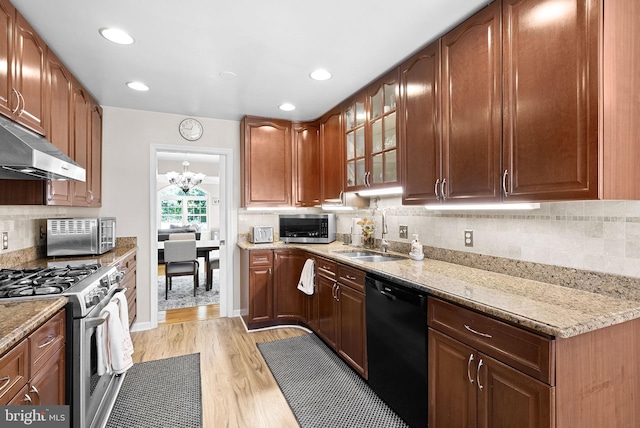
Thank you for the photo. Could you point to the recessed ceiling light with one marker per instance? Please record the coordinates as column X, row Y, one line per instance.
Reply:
column 287, row 107
column 138, row 86
column 228, row 75
column 116, row 36
column 320, row 74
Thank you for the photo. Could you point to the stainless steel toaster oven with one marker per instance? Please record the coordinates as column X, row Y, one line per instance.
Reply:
column 80, row 236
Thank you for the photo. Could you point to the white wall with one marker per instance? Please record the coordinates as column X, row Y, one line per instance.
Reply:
column 126, row 140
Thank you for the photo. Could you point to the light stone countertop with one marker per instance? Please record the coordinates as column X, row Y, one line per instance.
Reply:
column 19, row 318
column 548, row 309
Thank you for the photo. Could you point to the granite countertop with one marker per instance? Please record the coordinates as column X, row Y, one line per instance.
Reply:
column 549, row 309
column 18, row 319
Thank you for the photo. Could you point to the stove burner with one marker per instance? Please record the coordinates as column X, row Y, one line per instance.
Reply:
column 42, row 281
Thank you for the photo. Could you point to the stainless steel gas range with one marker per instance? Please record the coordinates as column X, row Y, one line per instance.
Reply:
column 88, row 288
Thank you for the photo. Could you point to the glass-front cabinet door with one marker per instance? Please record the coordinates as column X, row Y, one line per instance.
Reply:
column 384, row 166
column 355, row 143
column 371, row 134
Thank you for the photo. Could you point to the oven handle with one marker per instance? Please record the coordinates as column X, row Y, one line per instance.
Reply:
column 94, row 322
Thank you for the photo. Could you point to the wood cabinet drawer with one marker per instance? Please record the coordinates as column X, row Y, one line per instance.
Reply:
column 14, row 372
column 260, row 258
column 352, row 277
column 528, row 352
column 326, row 267
column 46, row 340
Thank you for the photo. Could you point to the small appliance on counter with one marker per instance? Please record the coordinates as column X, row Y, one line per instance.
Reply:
column 308, row 228
column 80, row 236
column 261, row 235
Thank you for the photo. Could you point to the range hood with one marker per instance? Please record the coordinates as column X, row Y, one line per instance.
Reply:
column 25, row 155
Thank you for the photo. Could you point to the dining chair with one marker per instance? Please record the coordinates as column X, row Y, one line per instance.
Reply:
column 186, row 236
column 180, row 257
column 214, row 264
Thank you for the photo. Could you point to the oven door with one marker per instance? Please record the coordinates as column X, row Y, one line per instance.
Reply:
column 95, row 394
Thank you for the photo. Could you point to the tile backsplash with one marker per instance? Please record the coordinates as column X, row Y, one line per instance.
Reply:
column 601, row 236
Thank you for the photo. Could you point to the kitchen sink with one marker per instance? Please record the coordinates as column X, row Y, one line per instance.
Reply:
column 357, row 254
column 370, row 256
column 379, row 258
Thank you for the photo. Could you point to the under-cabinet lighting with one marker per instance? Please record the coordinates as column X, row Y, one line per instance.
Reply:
column 270, row 208
column 484, row 207
column 336, row 208
column 381, row 192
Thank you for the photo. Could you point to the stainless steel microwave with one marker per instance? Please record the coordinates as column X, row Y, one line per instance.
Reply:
column 80, row 236
column 308, row 228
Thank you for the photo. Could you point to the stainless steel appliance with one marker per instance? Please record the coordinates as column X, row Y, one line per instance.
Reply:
column 397, row 347
column 89, row 288
column 261, row 234
column 308, row 228
column 80, row 236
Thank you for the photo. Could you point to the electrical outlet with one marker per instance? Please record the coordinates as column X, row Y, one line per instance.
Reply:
column 5, row 240
column 404, row 232
column 468, row 238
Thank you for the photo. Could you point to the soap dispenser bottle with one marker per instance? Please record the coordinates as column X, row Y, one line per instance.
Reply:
column 416, row 249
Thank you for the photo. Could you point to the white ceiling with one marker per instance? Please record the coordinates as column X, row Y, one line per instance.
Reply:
column 182, row 47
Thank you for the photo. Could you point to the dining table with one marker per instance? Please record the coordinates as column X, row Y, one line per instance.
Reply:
column 204, row 249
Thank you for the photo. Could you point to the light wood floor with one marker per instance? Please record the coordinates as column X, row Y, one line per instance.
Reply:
column 238, row 389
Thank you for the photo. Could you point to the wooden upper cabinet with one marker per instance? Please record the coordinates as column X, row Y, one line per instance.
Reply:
column 472, row 108
column 8, row 98
column 332, row 163
column 95, row 170
column 265, row 162
column 30, row 76
column 551, row 99
column 382, row 127
column 81, row 147
column 370, row 127
column 306, row 164
column 420, row 136
column 59, row 124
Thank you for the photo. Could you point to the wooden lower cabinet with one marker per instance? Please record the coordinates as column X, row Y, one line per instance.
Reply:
column 256, row 287
column 352, row 331
column 128, row 266
column 35, row 367
column 470, row 389
column 288, row 302
column 327, row 325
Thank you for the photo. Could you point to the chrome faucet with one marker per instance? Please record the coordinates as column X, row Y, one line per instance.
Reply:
column 384, row 244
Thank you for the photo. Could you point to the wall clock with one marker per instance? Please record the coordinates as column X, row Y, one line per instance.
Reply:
column 190, row 129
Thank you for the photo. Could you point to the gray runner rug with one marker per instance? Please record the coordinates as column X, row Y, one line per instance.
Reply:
column 321, row 389
column 161, row 393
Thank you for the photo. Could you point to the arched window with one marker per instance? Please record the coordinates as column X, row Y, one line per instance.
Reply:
column 179, row 208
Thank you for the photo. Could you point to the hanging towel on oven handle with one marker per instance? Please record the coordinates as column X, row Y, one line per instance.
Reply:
column 305, row 284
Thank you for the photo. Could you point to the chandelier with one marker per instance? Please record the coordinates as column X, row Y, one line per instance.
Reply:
column 187, row 180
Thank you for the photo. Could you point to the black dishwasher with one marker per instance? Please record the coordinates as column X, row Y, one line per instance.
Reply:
column 397, row 347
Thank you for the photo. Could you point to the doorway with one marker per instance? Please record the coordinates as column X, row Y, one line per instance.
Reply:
column 218, row 190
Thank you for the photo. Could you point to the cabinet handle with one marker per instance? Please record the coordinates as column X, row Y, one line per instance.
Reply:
column 469, row 369
column 435, row 189
column 52, row 192
column 50, row 339
column 34, row 390
column 13, row 90
column 333, row 291
column 27, row 399
column 337, row 291
column 477, row 332
column 480, row 387
column 444, row 181
column 6, row 380
column 23, row 103
column 325, row 267
column 352, row 278
column 504, row 183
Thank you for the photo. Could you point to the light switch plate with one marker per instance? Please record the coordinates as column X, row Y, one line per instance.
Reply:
column 5, row 240
column 404, row 232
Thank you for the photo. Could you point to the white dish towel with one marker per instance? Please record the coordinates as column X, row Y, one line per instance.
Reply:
column 306, row 278
column 113, row 340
